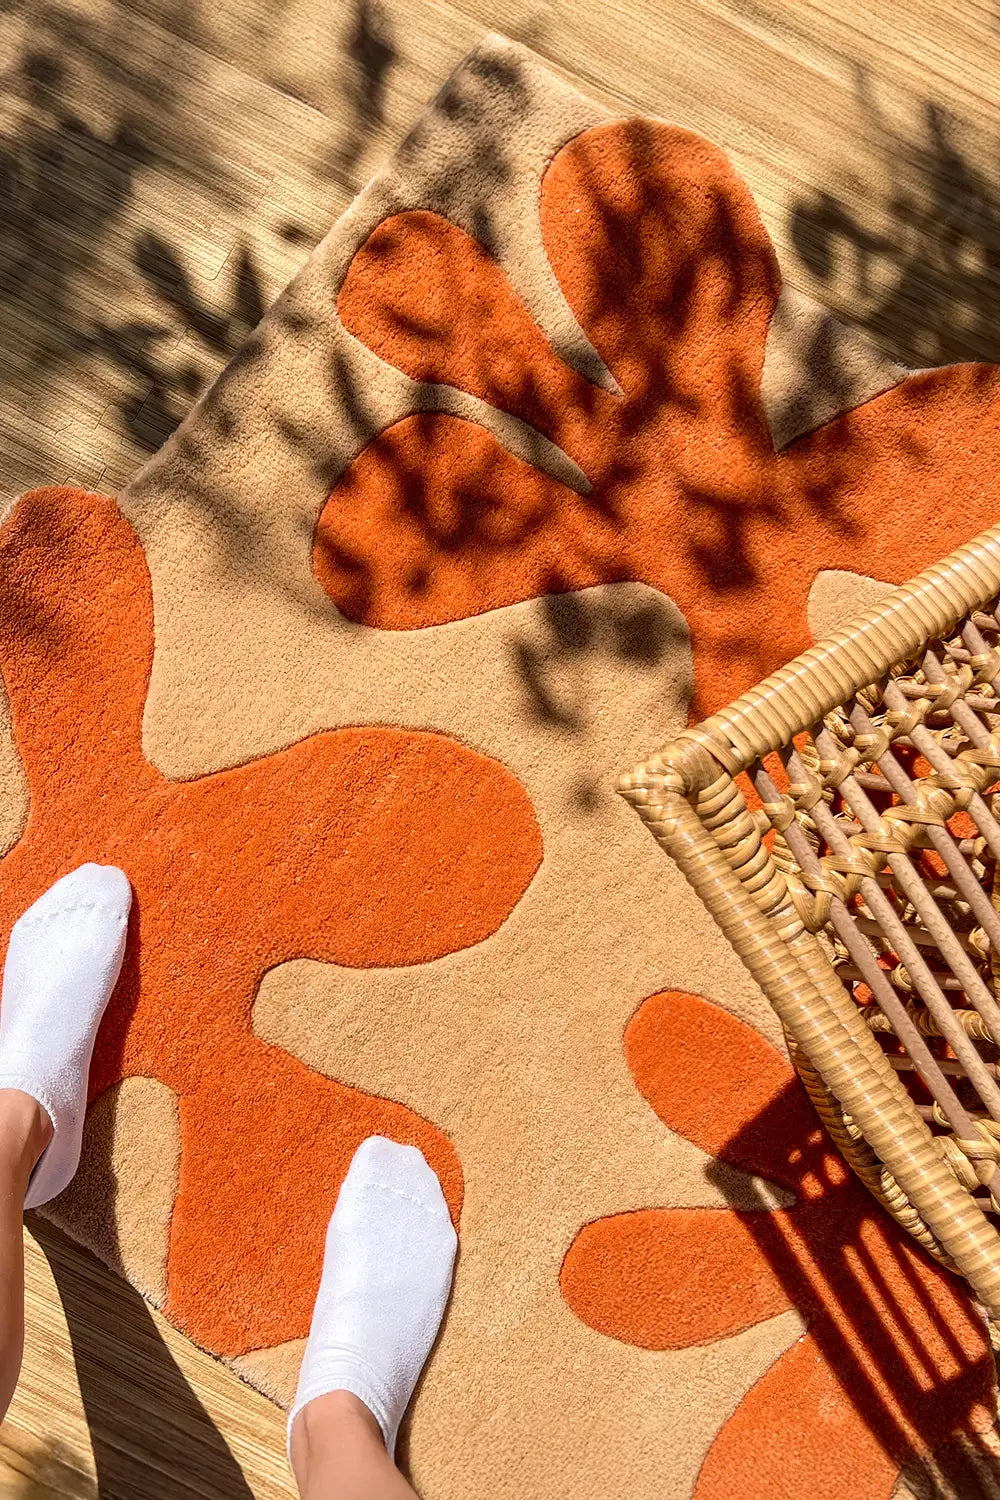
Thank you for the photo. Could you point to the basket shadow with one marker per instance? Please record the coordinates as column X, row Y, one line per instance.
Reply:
column 861, row 1286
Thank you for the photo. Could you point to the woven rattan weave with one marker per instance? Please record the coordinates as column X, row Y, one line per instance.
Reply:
column 841, row 821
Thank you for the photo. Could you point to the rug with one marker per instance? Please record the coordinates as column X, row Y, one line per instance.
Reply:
column 533, row 462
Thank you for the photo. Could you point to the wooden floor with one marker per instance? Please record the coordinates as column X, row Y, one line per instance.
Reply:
column 166, row 165
column 113, row 1403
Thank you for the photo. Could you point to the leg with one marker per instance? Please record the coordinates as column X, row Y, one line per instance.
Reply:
column 390, row 1249
column 25, row 1131
column 62, row 963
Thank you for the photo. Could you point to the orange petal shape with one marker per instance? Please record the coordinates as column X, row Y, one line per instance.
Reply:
column 716, row 1081
column 797, row 1433
column 366, row 846
column 699, row 1271
column 661, row 254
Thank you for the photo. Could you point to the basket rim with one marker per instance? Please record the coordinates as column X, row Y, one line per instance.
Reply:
column 797, row 695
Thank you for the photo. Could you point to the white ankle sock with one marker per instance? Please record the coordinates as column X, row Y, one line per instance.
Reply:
column 390, row 1250
column 64, row 957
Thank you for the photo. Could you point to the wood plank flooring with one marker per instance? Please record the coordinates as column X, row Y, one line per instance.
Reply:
column 113, row 1404
column 165, row 167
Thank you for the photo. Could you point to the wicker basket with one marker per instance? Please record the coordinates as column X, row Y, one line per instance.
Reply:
column 840, row 823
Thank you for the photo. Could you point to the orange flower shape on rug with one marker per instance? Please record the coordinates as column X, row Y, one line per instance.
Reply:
column 661, row 255
column 894, row 1360
column 363, row 847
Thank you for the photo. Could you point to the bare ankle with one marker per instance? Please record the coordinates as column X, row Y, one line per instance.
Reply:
column 330, row 1424
column 25, row 1130
column 337, row 1413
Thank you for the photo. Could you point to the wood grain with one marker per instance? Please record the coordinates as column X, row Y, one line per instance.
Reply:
column 166, row 166
column 113, row 1402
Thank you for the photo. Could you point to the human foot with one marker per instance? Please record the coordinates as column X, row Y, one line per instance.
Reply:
column 63, row 961
column 387, row 1268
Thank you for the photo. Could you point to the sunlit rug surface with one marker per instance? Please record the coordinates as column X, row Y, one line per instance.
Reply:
column 531, row 463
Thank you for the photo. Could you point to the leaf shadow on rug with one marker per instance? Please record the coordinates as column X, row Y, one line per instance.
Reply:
column 149, row 1430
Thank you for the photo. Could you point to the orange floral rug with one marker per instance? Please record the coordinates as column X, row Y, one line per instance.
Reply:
column 529, row 465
